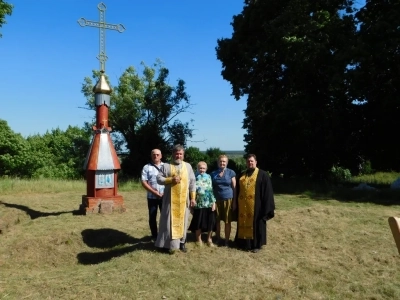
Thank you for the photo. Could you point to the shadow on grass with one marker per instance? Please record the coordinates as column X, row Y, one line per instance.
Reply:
column 34, row 214
column 321, row 190
column 112, row 239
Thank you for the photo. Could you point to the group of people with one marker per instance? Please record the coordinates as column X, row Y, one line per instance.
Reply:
column 176, row 191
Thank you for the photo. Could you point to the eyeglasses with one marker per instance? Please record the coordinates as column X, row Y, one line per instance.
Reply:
column 154, row 154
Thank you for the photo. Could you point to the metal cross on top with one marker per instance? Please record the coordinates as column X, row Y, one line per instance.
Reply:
column 102, row 25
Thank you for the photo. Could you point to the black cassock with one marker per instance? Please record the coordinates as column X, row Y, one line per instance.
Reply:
column 264, row 206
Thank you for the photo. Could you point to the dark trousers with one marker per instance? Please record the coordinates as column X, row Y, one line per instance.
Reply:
column 153, row 205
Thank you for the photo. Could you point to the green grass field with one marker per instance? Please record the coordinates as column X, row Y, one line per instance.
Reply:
column 322, row 244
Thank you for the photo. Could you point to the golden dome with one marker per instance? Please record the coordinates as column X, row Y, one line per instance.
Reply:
column 102, row 86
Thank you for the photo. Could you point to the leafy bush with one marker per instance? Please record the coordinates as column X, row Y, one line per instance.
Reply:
column 339, row 174
column 63, row 152
column 237, row 164
column 193, row 155
column 16, row 157
column 366, row 168
column 212, row 155
column 55, row 154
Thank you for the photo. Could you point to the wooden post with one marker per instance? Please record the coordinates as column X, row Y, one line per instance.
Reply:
column 394, row 224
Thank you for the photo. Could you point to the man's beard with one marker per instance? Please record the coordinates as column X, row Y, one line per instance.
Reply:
column 178, row 161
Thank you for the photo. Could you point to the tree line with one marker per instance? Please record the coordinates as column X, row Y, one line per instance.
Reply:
column 55, row 154
column 60, row 154
column 321, row 80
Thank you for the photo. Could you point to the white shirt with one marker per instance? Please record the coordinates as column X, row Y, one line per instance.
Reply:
column 149, row 174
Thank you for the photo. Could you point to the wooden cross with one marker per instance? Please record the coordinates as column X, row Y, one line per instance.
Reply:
column 102, row 25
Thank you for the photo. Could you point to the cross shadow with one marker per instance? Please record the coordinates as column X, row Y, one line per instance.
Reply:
column 34, row 214
column 107, row 238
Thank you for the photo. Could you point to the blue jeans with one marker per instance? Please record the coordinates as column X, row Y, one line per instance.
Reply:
column 153, row 205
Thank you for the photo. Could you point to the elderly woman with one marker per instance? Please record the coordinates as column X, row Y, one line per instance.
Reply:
column 224, row 184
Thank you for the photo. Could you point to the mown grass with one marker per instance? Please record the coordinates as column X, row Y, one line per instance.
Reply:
column 15, row 185
column 319, row 247
column 379, row 178
column 343, row 191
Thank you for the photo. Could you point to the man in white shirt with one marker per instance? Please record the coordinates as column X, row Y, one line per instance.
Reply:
column 155, row 191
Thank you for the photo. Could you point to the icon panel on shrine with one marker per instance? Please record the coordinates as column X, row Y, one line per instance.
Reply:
column 104, row 179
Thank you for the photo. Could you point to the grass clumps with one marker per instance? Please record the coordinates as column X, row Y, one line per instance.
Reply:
column 320, row 246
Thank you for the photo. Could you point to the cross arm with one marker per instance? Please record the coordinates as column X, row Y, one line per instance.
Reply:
column 118, row 27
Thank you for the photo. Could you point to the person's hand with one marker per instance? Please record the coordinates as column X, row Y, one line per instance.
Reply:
column 176, row 179
column 160, row 195
column 192, row 203
column 213, row 207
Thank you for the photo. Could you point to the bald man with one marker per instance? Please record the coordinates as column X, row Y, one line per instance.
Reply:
column 154, row 190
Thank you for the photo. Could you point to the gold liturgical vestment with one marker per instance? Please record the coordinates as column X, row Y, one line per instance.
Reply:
column 247, row 185
column 179, row 194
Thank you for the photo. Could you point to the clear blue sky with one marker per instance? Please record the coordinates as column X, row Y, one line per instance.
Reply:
column 45, row 55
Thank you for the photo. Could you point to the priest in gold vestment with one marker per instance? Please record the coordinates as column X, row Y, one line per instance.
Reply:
column 255, row 206
column 179, row 196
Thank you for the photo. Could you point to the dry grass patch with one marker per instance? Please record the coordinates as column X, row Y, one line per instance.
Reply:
column 316, row 250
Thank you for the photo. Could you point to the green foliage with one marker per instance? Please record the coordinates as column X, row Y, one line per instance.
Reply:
column 56, row 154
column 366, row 168
column 16, row 156
column 5, row 9
column 374, row 78
column 62, row 152
column 289, row 58
column 193, row 156
column 321, row 82
column 212, row 155
column 144, row 110
column 237, row 164
column 339, row 174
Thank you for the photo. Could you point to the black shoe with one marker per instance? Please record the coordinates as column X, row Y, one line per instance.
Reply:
column 255, row 250
column 182, row 247
column 163, row 250
column 222, row 243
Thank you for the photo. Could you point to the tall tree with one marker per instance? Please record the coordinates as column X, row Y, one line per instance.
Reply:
column 375, row 82
column 289, row 57
column 5, row 9
column 144, row 111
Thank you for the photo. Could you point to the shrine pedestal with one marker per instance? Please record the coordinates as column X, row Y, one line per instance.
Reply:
column 101, row 193
column 104, row 205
